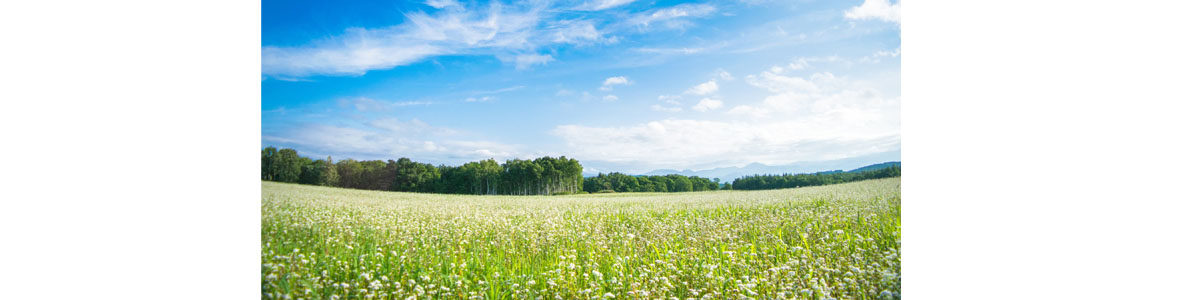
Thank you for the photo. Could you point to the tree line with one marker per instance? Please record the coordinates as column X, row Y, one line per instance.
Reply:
column 765, row 182
column 620, row 183
column 541, row 176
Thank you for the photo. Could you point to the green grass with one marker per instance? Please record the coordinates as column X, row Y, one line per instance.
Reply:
column 837, row 241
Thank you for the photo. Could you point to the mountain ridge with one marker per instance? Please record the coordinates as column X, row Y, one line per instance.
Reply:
column 728, row 174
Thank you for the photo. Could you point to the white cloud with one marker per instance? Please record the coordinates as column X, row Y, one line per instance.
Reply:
column 603, row 4
column 502, row 90
column 749, row 111
column 616, row 80
column 411, row 103
column 707, row 104
column 685, row 143
column 874, row 58
column 875, row 9
column 365, row 104
column 612, row 81
column 441, row 3
column 390, row 138
column 893, row 53
column 657, row 107
column 527, row 60
column 480, row 99
column 610, row 98
column 723, row 75
column 775, row 82
column 575, row 32
column 821, row 95
column 671, row 17
column 671, row 99
column 684, row 50
column 496, row 29
column 414, row 126
column 704, row 88
column 431, row 146
column 803, row 63
column 804, row 118
column 522, row 33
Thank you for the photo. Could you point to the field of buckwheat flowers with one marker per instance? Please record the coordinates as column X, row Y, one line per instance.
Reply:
column 827, row 242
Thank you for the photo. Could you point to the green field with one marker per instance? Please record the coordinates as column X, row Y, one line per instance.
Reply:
column 837, row 241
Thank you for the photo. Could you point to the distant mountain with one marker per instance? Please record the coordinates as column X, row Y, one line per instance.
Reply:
column 854, row 164
column 877, row 166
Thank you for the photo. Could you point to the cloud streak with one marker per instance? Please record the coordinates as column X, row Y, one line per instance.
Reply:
column 522, row 35
column 496, row 29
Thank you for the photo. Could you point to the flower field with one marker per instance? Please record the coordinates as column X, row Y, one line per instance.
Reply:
column 825, row 242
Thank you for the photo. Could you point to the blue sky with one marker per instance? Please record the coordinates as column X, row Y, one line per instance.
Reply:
column 621, row 85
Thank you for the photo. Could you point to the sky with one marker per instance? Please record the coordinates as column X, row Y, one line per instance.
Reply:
column 622, row 85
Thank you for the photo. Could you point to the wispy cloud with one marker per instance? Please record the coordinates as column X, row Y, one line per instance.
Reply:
column 365, row 104
column 441, row 3
column 526, row 60
column 502, row 90
column 875, row 9
column 874, row 58
column 723, row 75
column 802, row 63
column 603, row 4
column 496, row 29
column 657, row 107
column 684, row 50
column 670, row 99
column 577, row 32
column 671, row 17
column 522, row 34
column 391, row 138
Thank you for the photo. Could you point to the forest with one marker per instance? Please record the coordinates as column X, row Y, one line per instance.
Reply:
column 621, row 183
column 541, row 176
column 766, row 182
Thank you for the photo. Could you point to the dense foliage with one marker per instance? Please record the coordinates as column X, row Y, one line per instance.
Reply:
column 617, row 182
column 541, row 176
column 766, row 182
